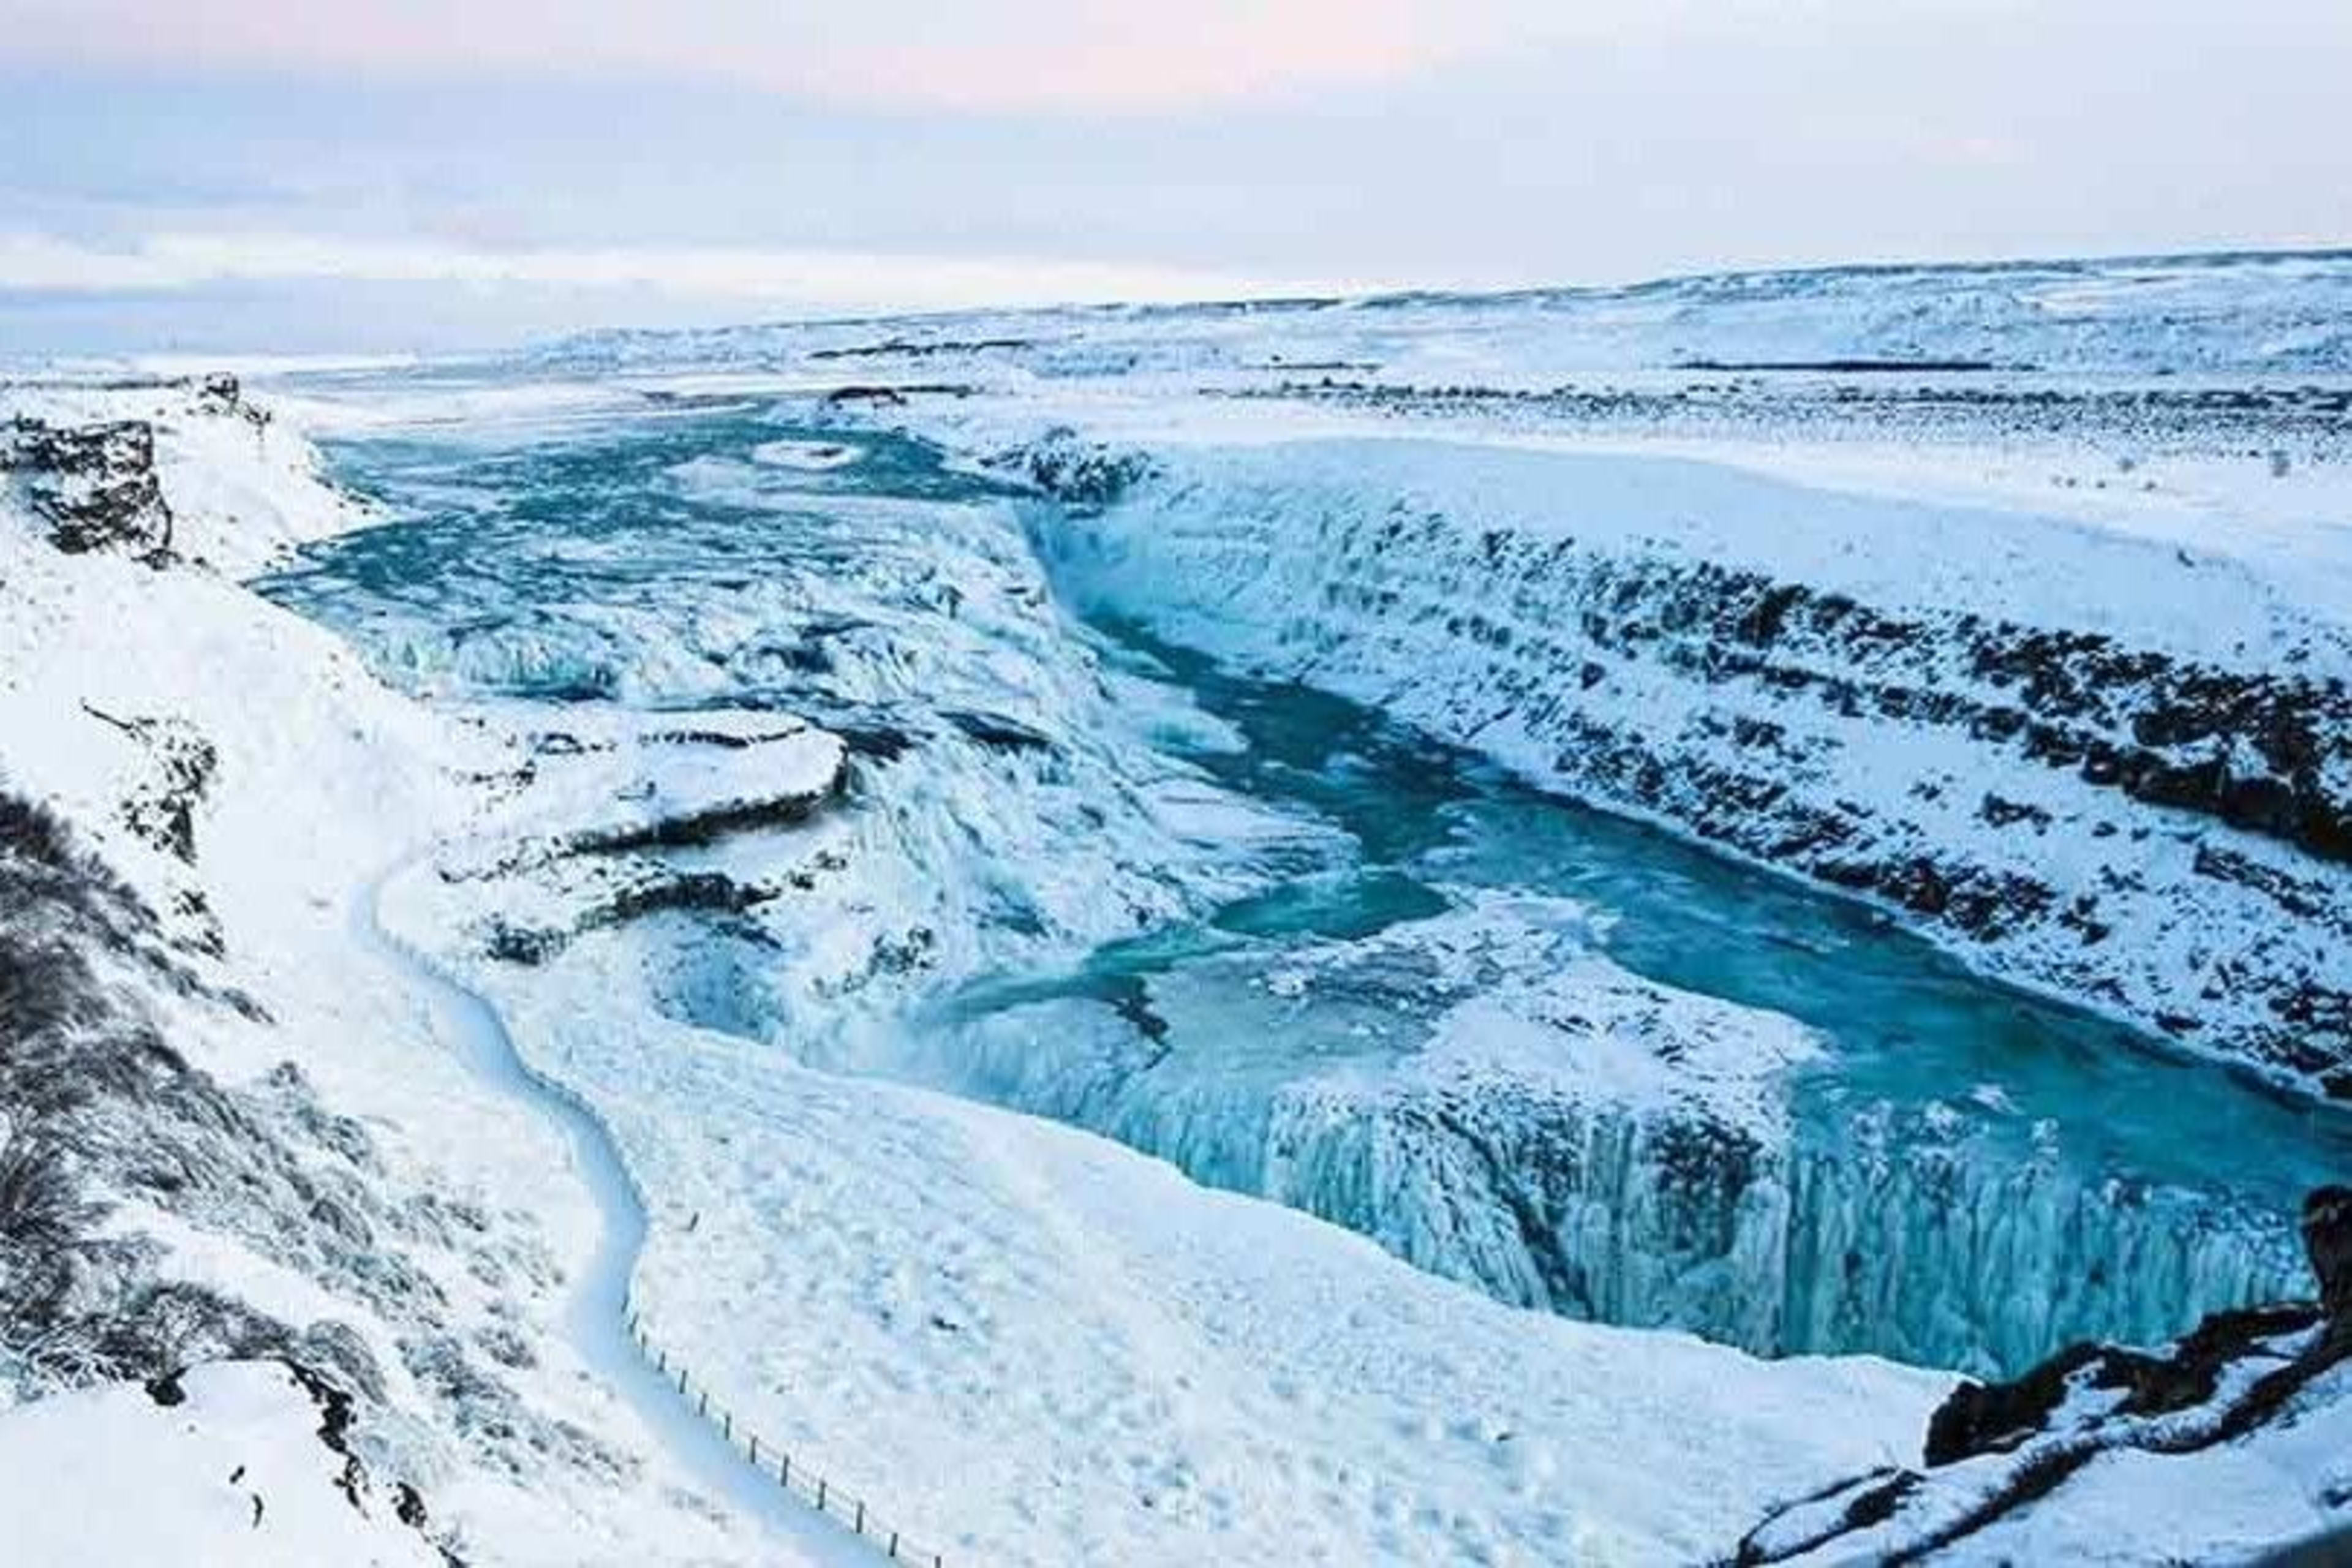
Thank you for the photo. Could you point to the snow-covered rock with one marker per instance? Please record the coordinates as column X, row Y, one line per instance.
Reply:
column 241, row 1462
column 2228, row 1445
column 2140, row 800
column 186, row 465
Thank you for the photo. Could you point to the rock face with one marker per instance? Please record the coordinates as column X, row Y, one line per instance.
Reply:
column 666, row 790
column 1999, row 1460
column 1073, row 471
column 94, row 486
column 2327, row 1238
column 2154, row 820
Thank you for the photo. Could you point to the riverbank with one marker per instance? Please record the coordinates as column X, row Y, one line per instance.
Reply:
column 774, row 722
column 904, row 1285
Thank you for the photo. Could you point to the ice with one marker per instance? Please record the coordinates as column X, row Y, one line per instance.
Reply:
column 1051, row 793
column 1593, row 1145
column 814, row 456
column 982, row 833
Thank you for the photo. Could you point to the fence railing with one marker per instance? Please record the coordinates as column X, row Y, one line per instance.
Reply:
column 796, row 1479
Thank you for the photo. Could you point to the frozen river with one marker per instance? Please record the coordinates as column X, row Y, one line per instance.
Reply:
column 1244, row 925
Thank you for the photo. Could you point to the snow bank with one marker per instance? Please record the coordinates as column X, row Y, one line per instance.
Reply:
column 245, row 775
column 229, row 1464
column 1040, row 1347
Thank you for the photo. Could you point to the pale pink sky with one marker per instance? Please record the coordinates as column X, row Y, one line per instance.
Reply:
column 1055, row 54
column 713, row 159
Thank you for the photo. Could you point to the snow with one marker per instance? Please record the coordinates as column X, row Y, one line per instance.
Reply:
column 1141, row 1392
column 598, row 1318
column 2239, row 1502
column 2246, row 315
column 234, row 1473
column 2242, row 1501
column 1893, row 552
column 1049, row 1348
column 1029, row 1344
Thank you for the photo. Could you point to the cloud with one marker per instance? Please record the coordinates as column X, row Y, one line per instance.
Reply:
column 42, row 264
column 497, row 167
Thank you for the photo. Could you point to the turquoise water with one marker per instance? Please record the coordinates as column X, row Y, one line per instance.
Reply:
column 1910, row 1023
column 1974, row 1175
column 1979, row 1175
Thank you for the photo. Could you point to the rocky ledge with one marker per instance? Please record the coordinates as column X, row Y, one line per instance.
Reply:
column 93, row 486
column 96, row 485
column 2164, row 1434
column 2136, row 812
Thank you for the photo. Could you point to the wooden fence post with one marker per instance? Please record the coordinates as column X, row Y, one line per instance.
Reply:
column 783, row 1461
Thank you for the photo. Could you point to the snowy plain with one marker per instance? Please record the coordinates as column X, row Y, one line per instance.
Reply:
column 1032, row 1343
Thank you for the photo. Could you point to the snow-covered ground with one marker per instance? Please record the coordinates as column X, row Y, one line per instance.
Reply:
column 317, row 779
column 225, row 1465
column 2059, row 681
column 951, row 1307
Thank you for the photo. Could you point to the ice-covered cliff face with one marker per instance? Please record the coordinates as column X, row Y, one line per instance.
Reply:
column 1036, row 1345
column 2138, row 798
column 1271, row 936
column 1559, row 1056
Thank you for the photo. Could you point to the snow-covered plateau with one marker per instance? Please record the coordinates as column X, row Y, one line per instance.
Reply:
column 1757, row 867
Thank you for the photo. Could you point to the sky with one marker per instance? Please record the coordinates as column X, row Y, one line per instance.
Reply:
column 389, row 174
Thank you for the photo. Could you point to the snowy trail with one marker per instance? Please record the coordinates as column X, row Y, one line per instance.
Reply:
column 596, row 1317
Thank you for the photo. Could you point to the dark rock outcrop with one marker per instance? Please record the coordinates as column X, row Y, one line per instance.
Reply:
column 2237, row 1374
column 93, row 486
column 998, row 732
column 704, row 825
column 161, row 808
column 2327, row 1240
column 1076, row 472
